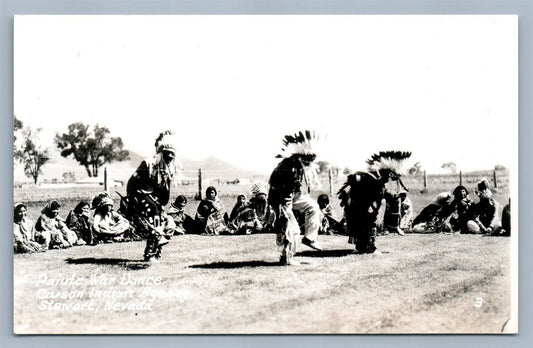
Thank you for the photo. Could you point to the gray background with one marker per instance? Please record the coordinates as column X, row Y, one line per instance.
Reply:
column 524, row 8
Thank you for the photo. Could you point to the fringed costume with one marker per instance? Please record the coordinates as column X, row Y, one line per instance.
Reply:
column 285, row 194
column 148, row 191
column 362, row 193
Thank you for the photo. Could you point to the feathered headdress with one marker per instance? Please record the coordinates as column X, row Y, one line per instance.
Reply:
column 166, row 141
column 302, row 143
column 392, row 160
column 101, row 199
column 258, row 188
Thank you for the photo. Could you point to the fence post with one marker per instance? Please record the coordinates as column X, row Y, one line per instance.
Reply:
column 330, row 177
column 105, row 179
column 199, row 184
column 425, row 181
column 495, row 181
column 460, row 177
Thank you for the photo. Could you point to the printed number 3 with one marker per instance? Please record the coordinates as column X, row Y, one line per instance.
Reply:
column 479, row 302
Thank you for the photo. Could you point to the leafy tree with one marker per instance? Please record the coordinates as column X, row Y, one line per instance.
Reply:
column 499, row 167
column 17, row 125
column 451, row 166
column 31, row 154
column 346, row 170
column 91, row 149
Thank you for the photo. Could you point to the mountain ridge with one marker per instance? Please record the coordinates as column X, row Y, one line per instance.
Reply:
column 212, row 167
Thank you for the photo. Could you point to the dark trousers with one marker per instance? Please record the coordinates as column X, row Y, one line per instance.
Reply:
column 361, row 227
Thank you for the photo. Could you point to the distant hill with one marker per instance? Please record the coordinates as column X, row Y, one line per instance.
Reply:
column 212, row 167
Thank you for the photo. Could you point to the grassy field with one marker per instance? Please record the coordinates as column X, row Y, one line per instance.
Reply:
column 233, row 284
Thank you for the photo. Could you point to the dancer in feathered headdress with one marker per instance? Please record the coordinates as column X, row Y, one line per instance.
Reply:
column 148, row 191
column 286, row 193
column 362, row 193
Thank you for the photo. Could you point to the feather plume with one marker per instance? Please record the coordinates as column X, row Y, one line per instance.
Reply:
column 301, row 143
column 392, row 160
column 166, row 141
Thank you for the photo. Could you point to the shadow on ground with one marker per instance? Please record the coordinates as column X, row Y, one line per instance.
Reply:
column 326, row 253
column 130, row 264
column 240, row 264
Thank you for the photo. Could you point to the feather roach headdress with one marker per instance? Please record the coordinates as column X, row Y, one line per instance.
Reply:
column 302, row 143
column 391, row 160
column 166, row 141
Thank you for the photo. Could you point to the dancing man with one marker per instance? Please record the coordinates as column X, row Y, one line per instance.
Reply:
column 362, row 193
column 148, row 191
column 286, row 194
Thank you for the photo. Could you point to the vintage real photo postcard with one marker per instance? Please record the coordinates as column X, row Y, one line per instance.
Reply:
column 265, row 174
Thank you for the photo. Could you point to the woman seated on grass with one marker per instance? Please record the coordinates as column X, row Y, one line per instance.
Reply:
column 184, row 223
column 108, row 225
column 430, row 219
column 486, row 216
column 210, row 216
column 78, row 221
column 459, row 211
column 239, row 205
column 52, row 231
column 23, row 232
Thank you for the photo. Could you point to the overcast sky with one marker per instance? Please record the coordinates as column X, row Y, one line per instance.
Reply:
column 443, row 87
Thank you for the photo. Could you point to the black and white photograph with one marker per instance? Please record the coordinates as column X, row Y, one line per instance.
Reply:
column 265, row 174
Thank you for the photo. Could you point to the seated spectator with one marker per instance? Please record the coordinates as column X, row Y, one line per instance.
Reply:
column 108, row 225
column 51, row 229
column 240, row 204
column 485, row 213
column 506, row 220
column 459, row 210
column 23, row 232
column 329, row 224
column 255, row 216
column 78, row 221
column 210, row 216
column 263, row 211
column 184, row 223
column 430, row 218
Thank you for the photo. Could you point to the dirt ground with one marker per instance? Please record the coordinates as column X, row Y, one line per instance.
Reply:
column 433, row 283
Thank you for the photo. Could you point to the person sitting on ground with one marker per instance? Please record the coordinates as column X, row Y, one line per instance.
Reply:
column 210, row 215
column 430, row 218
column 108, row 225
column 184, row 223
column 253, row 216
column 23, row 232
column 78, row 221
column 459, row 210
column 398, row 212
column 239, row 205
column 329, row 224
column 263, row 211
column 53, row 230
column 485, row 213
column 506, row 220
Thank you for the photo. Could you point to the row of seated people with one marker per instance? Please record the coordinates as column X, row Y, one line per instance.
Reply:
column 456, row 212
column 107, row 225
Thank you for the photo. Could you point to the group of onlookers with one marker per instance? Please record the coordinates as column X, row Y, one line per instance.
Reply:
column 52, row 232
column 447, row 212
column 456, row 212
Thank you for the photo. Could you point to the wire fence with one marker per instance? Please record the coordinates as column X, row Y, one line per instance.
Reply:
column 193, row 184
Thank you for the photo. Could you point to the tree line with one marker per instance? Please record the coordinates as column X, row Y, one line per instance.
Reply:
column 91, row 148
